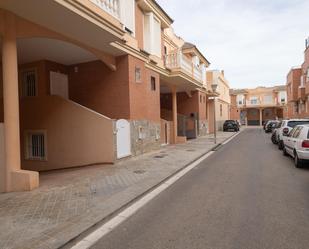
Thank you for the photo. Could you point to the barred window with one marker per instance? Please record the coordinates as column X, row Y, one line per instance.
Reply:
column 29, row 84
column 35, row 145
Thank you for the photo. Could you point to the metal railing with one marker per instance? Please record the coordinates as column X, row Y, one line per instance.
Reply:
column 177, row 60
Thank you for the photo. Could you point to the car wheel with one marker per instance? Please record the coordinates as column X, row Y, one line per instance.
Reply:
column 284, row 152
column 273, row 139
column 297, row 161
column 280, row 145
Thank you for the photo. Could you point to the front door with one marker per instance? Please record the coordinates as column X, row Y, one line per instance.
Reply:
column 123, row 138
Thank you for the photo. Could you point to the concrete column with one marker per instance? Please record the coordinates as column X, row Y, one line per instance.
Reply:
column 175, row 121
column 16, row 179
column 261, row 117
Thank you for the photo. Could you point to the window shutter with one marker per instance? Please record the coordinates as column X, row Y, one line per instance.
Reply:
column 152, row 34
column 156, row 37
column 127, row 14
column 147, row 32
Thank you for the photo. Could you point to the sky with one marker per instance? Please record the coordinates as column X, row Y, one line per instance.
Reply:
column 256, row 42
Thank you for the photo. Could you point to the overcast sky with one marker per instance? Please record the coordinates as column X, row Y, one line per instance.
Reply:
column 256, row 42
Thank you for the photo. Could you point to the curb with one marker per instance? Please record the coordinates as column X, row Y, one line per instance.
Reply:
column 88, row 230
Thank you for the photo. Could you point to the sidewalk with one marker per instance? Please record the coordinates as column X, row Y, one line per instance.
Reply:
column 69, row 202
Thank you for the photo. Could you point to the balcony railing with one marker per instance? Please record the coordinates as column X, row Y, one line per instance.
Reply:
column 176, row 60
column 110, row 6
column 253, row 102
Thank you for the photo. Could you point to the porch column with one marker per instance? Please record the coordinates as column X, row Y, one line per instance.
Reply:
column 261, row 117
column 16, row 179
column 175, row 121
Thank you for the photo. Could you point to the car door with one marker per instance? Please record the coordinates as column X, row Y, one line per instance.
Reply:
column 298, row 138
column 288, row 144
column 294, row 138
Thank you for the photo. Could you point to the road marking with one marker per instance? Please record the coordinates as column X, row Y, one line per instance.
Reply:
column 232, row 137
column 106, row 228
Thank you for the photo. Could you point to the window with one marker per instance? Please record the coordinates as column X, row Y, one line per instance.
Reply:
column 240, row 99
column 138, row 75
column 221, row 110
column 165, row 50
column 292, row 132
column 297, row 132
column 282, row 96
column 295, row 108
column 253, row 100
column 35, row 145
column 153, row 83
column 292, row 124
column 204, row 98
column 29, row 83
column 201, row 99
column 302, row 82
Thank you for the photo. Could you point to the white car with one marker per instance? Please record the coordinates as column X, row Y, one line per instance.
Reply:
column 286, row 127
column 296, row 144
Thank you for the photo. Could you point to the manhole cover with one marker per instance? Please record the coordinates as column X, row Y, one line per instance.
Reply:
column 159, row 156
column 190, row 150
column 139, row 171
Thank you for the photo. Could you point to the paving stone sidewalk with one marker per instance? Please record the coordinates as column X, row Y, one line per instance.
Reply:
column 69, row 202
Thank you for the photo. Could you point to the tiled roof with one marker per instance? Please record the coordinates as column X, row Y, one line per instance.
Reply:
column 238, row 91
column 188, row 45
column 280, row 88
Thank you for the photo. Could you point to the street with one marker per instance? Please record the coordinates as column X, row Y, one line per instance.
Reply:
column 244, row 196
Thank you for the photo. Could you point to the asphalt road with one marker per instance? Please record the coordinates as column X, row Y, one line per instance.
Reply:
column 245, row 196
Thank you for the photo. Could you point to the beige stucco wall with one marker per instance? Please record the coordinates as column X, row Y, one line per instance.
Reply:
column 76, row 136
column 2, row 161
column 224, row 99
column 217, row 77
column 222, row 116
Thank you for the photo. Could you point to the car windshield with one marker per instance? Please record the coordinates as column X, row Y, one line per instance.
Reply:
column 292, row 124
column 230, row 121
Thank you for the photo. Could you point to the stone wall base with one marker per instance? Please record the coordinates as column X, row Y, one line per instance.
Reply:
column 145, row 136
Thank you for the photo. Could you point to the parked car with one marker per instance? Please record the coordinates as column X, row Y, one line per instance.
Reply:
column 296, row 144
column 286, row 127
column 230, row 125
column 265, row 124
column 274, row 135
column 270, row 126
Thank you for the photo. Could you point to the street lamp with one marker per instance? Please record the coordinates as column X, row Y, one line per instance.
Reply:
column 214, row 89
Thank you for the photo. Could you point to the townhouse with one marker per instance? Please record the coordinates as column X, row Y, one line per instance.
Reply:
column 222, row 101
column 298, row 88
column 91, row 81
column 255, row 106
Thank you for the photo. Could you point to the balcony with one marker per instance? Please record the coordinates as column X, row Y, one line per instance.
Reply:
column 178, row 62
column 112, row 7
column 258, row 103
column 253, row 103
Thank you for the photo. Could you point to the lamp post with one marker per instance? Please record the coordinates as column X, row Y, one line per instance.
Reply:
column 214, row 89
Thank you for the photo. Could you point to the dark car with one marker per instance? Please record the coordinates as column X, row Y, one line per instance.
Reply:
column 230, row 125
column 270, row 126
column 265, row 123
